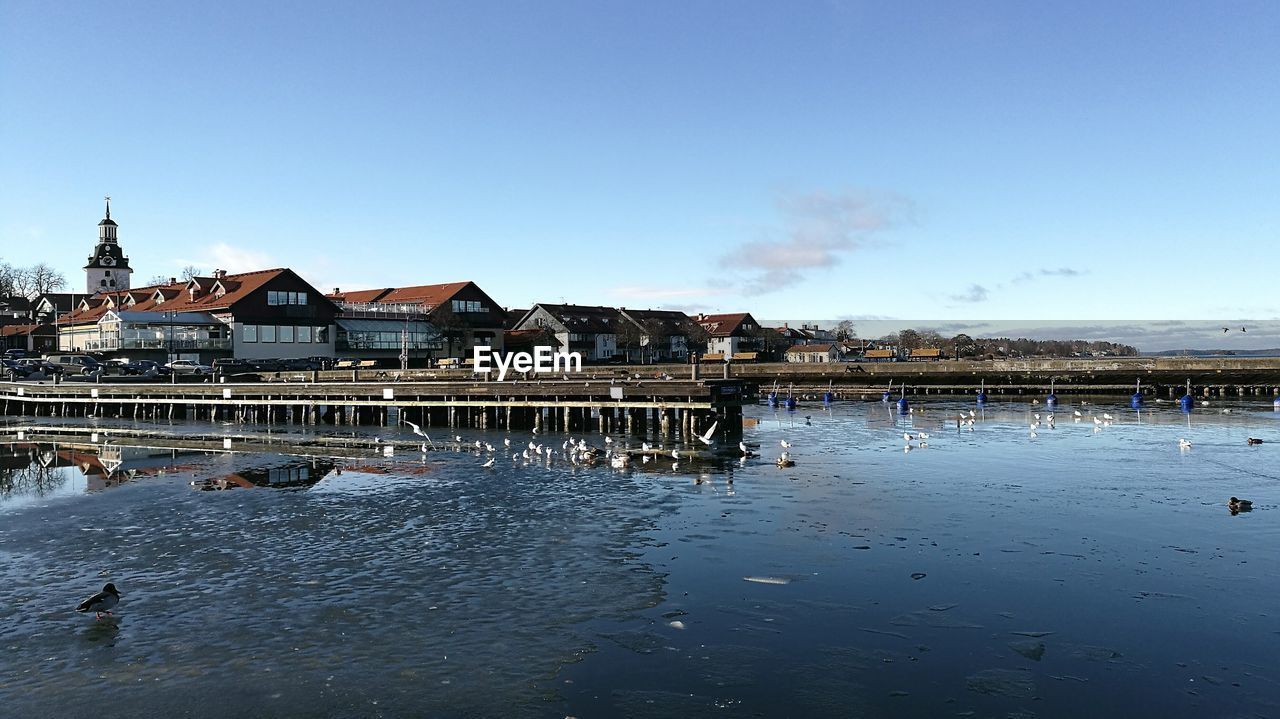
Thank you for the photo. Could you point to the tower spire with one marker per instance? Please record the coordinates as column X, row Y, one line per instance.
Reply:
column 108, row 199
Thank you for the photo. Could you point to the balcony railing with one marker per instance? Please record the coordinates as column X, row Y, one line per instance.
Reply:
column 112, row 345
column 374, row 310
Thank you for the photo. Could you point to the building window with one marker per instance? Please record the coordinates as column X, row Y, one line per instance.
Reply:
column 304, row 334
column 268, row 333
column 250, row 333
column 275, row 298
column 468, row 306
column 286, row 333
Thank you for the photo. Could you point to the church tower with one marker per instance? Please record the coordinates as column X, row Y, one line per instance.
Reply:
column 108, row 269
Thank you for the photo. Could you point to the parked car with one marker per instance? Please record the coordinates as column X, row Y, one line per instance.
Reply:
column 299, row 364
column 13, row 370
column 75, row 363
column 141, row 367
column 38, row 365
column 232, row 365
column 116, row 366
column 189, row 367
column 15, row 354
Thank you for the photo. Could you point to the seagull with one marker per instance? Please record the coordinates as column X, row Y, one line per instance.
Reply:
column 706, row 438
column 1078, row 413
column 488, row 464
column 1184, row 444
column 786, row 444
column 675, row 454
column 1107, row 417
column 743, row 446
column 101, row 602
column 418, row 431
column 506, row 442
column 608, row 440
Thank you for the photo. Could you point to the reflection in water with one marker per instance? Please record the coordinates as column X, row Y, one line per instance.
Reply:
column 31, row 471
column 284, row 474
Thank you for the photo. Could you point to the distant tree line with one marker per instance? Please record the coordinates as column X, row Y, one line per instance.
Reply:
column 963, row 346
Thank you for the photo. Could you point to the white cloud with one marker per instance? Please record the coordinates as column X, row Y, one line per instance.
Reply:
column 819, row 229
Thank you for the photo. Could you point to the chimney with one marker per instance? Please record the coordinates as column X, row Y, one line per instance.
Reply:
column 173, row 280
column 337, row 290
column 219, row 274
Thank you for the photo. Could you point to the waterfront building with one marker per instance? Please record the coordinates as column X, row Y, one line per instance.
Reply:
column 812, row 353
column 589, row 330
column 445, row 321
column 266, row 314
column 35, row 339
column 731, row 334
column 663, row 335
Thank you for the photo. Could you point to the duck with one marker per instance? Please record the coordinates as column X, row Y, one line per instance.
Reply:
column 1254, row 440
column 784, row 461
column 1235, row 504
column 1184, row 444
column 106, row 600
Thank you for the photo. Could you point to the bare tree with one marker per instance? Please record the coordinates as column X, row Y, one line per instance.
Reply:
column 845, row 331
column 40, row 278
column 190, row 271
column 7, row 276
column 452, row 327
column 157, row 280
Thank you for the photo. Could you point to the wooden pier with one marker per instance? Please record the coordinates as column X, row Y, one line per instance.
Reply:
column 668, row 409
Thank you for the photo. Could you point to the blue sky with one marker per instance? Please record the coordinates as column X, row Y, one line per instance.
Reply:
column 987, row 160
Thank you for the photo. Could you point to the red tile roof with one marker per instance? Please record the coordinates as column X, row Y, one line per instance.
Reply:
column 177, row 297
column 721, row 325
column 430, row 296
column 14, row 330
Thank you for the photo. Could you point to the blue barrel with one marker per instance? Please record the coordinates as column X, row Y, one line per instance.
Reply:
column 1135, row 400
column 827, row 397
column 773, row 399
column 1276, row 404
column 1187, row 403
column 982, row 398
column 1051, row 401
column 903, row 407
column 886, row 397
column 791, row 403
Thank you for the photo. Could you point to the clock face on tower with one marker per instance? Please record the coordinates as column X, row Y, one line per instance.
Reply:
column 108, row 261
